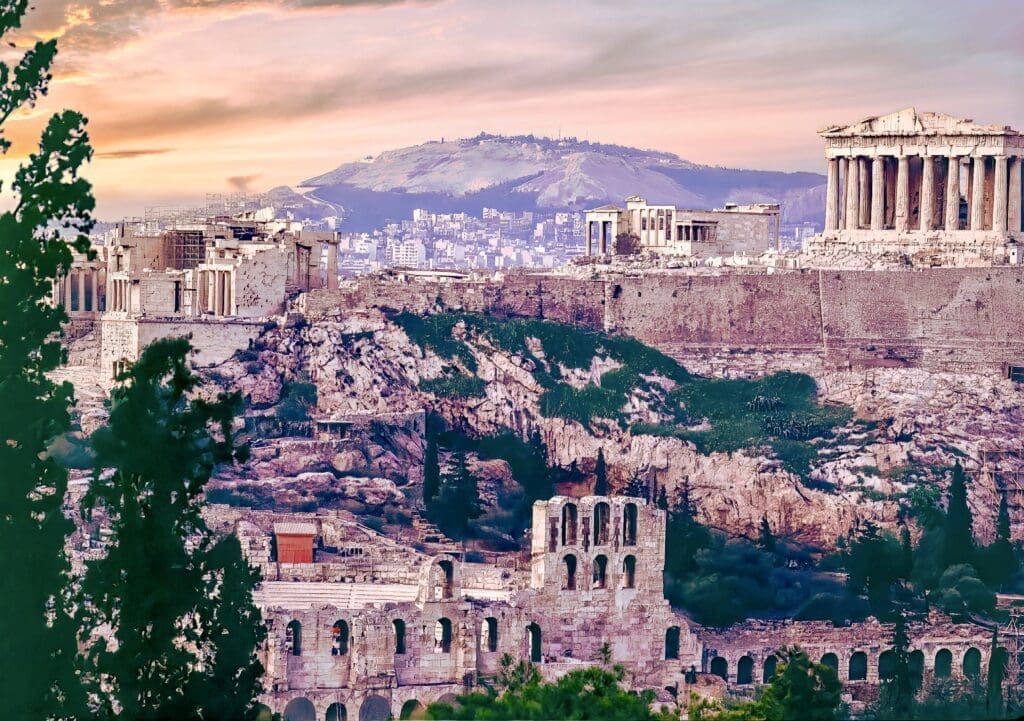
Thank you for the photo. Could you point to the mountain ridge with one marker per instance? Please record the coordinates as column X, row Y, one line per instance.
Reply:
column 525, row 172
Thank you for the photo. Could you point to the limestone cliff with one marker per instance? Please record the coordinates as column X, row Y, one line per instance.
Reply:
column 367, row 364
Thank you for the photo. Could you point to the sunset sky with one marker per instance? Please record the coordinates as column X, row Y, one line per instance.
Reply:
column 187, row 97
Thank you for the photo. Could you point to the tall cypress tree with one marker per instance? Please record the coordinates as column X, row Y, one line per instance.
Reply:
column 958, row 543
column 431, row 470
column 766, row 538
column 897, row 692
column 177, row 602
column 600, row 475
column 37, row 639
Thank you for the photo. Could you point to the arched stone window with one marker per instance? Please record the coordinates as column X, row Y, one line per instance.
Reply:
column 449, row 578
column 337, row 712
column 745, row 670
column 411, row 709
column 859, row 666
column 601, row 518
column 916, row 666
column 570, row 521
column 886, row 665
column 720, row 667
column 375, row 708
column 569, row 570
column 943, row 663
column 832, row 661
column 300, row 709
column 600, row 572
column 443, row 636
column 629, row 572
column 293, row 637
column 672, row 642
column 972, row 663
column 534, row 639
column 339, row 645
column 489, row 634
column 768, row 671
column 399, row 626
column 629, row 516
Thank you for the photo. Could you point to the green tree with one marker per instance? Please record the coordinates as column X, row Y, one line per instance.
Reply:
column 600, row 475
column 178, row 602
column 431, row 470
column 800, row 689
column 994, row 705
column 458, row 499
column 997, row 562
column 896, row 698
column 766, row 539
column 961, row 593
column 958, row 539
column 875, row 561
column 48, row 202
column 591, row 693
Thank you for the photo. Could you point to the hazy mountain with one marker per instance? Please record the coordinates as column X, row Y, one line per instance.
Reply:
column 529, row 173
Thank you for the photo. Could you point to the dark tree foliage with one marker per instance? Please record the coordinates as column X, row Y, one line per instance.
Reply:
column 600, row 475
column 48, row 201
column 458, row 500
column 958, row 544
column 591, row 693
column 800, row 690
column 766, row 539
column 875, row 562
column 431, row 470
column 177, row 599
column 896, row 698
column 627, row 244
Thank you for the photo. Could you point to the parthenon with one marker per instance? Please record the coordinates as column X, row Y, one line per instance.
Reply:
column 923, row 173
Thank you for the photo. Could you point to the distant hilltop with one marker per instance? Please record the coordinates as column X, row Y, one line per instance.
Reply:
column 525, row 172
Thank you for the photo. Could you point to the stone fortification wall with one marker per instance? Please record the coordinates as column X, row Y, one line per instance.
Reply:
column 955, row 319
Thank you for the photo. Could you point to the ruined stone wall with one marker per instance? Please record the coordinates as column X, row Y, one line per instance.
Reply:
column 259, row 283
column 775, row 312
column 214, row 341
column 760, row 641
column 952, row 319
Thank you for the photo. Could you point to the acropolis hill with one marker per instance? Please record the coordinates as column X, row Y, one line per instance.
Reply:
column 904, row 312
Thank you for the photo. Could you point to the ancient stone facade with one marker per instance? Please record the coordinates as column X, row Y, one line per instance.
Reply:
column 923, row 183
column 386, row 644
column 666, row 229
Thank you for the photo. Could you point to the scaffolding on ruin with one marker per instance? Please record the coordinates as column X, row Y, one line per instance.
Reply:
column 1013, row 678
column 1004, row 470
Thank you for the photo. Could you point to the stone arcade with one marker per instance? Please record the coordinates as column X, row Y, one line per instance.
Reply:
column 391, row 639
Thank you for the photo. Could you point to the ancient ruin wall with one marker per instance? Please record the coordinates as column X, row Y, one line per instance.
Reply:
column 955, row 319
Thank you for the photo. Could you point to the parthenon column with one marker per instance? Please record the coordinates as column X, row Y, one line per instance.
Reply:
column 67, row 292
column 81, row 289
column 952, row 211
column 877, row 192
column 978, row 193
column 1013, row 210
column 852, row 193
column 928, row 193
column 844, row 174
column 864, row 203
column 94, row 301
column 903, row 194
column 999, row 196
column 590, row 237
column 832, row 195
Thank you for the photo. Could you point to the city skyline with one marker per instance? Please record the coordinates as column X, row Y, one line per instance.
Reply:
column 187, row 97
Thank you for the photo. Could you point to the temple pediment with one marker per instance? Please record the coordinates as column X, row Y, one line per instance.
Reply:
column 909, row 122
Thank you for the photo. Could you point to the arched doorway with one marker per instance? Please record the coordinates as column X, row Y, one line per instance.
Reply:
column 533, row 636
column 859, row 666
column 832, row 661
column 943, row 663
column 972, row 664
column 745, row 670
column 337, row 712
column 601, row 518
column 569, row 581
column 915, row 663
column 300, row 709
column 569, row 523
column 600, row 572
column 412, row 709
column 672, row 643
column 768, row 672
column 375, row 708
column 629, row 572
column 629, row 514
column 720, row 667
column 886, row 665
